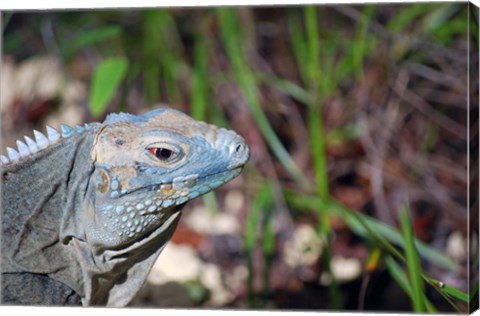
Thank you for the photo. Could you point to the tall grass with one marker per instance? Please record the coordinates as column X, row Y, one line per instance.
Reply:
column 230, row 28
column 413, row 263
column 258, row 227
column 162, row 56
column 389, row 239
column 316, row 76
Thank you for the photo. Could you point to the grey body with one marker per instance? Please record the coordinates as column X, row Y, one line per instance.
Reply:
column 85, row 218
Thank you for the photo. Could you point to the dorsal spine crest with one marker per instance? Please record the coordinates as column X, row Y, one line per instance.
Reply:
column 41, row 142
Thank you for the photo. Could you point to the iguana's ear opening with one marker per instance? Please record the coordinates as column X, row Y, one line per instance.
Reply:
column 93, row 152
column 103, row 181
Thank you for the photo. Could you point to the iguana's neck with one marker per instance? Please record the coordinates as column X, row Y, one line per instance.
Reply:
column 42, row 197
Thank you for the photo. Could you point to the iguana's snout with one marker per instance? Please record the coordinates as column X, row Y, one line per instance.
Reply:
column 235, row 145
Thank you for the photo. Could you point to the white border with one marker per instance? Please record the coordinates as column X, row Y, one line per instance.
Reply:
column 7, row 5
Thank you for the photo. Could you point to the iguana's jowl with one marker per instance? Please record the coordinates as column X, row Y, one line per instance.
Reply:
column 92, row 206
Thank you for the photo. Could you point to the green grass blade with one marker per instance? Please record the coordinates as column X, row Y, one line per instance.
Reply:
column 200, row 78
column 398, row 274
column 318, row 86
column 151, row 48
column 384, row 235
column 473, row 293
column 439, row 16
column 345, row 133
column 407, row 15
column 438, row 286
column 400, row 277
column 210, row 201
column 413, row 262
column 106, row 79
column 315, row 117
column 447, row 290
column 162, row 53
column 268, row 249
column 360, row 45
column 90, row 37
column 455, row 293
column 199, row 97
column 229, row 26
column 262, row 201
column 285, row 86
column 313, row 48
column 298, row 44
column 171, row 55
column 389, row 233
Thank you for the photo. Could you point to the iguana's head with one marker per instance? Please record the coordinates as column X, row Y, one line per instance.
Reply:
column 148, row 166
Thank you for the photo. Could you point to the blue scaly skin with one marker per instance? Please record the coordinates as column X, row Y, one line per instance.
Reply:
column 87, row 211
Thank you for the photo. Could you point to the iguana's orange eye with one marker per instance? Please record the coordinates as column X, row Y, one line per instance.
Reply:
column 162, row 153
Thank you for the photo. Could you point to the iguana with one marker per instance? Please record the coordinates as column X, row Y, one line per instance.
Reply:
column 87, row 210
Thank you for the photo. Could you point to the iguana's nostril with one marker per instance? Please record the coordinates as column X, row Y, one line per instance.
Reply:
column 239, row 151
column 239, row 148
column 236, row 147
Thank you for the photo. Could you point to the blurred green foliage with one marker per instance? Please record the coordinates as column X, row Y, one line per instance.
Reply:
column 106, row 79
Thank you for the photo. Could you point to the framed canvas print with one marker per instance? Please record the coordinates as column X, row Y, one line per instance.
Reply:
column 259, row 157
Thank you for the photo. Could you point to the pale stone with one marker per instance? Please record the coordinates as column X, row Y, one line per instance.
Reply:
column 211, row 277
column 178, row 263
column 304, row 247
column 456, row 247
column 234, row 201
column 345, row 269
column 203, row 221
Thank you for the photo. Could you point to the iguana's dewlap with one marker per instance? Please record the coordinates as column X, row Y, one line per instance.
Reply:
column 92, row 207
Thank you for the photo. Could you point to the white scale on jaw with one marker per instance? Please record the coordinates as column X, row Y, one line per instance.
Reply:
column 30, row 146
column 189, row 181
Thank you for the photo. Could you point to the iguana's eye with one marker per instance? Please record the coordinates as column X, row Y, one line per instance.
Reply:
column 162, row 153
column 165, row 153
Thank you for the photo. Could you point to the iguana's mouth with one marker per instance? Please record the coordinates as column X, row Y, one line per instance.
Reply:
column 187, row 184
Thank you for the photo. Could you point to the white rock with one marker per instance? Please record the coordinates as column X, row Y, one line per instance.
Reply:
column 211, row 277
column 237, row 278
column 345, row 269
column 456, row 247
column 7, row 92
column 177, row 263
column 234, row 201
column 203, row 221
column 304, row 247
column 30, row 78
